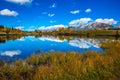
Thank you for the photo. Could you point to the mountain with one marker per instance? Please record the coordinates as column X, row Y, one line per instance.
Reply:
column 80, row 27
column 97, row 25
column 94, row 25
column 116, row 28
column 91, row 26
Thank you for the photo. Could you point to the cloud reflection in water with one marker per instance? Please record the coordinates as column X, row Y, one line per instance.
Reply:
column 10, row 53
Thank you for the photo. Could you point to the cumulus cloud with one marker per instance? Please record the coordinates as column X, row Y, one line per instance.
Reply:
column 7, row 12
column 107, row 21
column 20, row 27
column 51, row 28
column 10, row 53
column 53, row 5
column 31, row 28
column 75, row 12
column 51, row 15
column 88, row 10
column 80, row 21
column 20, row 1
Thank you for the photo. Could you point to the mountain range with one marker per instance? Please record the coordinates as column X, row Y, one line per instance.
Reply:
column 92, row 26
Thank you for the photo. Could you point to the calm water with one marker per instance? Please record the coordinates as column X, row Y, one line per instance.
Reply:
column 26, row 46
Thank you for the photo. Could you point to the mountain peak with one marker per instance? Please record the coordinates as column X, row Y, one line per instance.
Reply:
column 96, row 25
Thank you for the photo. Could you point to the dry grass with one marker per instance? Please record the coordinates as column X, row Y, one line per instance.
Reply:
column 67, row 66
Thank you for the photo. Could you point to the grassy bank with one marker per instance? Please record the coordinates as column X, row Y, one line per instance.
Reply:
column 66, row 66
column 87, row 33
column 4, row 31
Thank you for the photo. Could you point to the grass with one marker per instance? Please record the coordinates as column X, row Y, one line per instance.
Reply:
column 88, row 33
column 67, row 66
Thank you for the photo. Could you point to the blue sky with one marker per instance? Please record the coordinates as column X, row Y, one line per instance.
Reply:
column 38, row 14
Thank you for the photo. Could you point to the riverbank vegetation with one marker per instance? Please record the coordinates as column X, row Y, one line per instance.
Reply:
column 66, row 66
column 69, row 32
column 4, row 31
column 61, row 32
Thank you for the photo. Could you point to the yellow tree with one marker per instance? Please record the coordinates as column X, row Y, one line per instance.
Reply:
column 68, row 30
column 61, row 30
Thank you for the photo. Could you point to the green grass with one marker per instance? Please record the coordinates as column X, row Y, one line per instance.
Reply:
column 67, row 66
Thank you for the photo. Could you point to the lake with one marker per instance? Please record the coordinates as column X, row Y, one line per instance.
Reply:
column 23, row 47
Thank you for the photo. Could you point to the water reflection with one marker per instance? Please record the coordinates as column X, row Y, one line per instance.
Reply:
column 21, row 39
column 81, row 43
column 75, row 41
column 50, row 38
column 3, row 39
column 85, row 43
column 10, row 53
column 22, row 47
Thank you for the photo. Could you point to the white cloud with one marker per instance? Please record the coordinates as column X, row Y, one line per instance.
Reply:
column 20, row 1
column 51, row 15
column 7, row 12
column 106, row 20
column 75, row 12
column 20, row 27
column 10, row 53
column 53, row 5
column 88, row 10
column 52, row 21
column 42, row 27
column 80, row 21
column 31, row 28
column 51, row 28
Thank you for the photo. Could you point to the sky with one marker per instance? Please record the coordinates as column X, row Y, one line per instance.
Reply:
column 45, row 14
